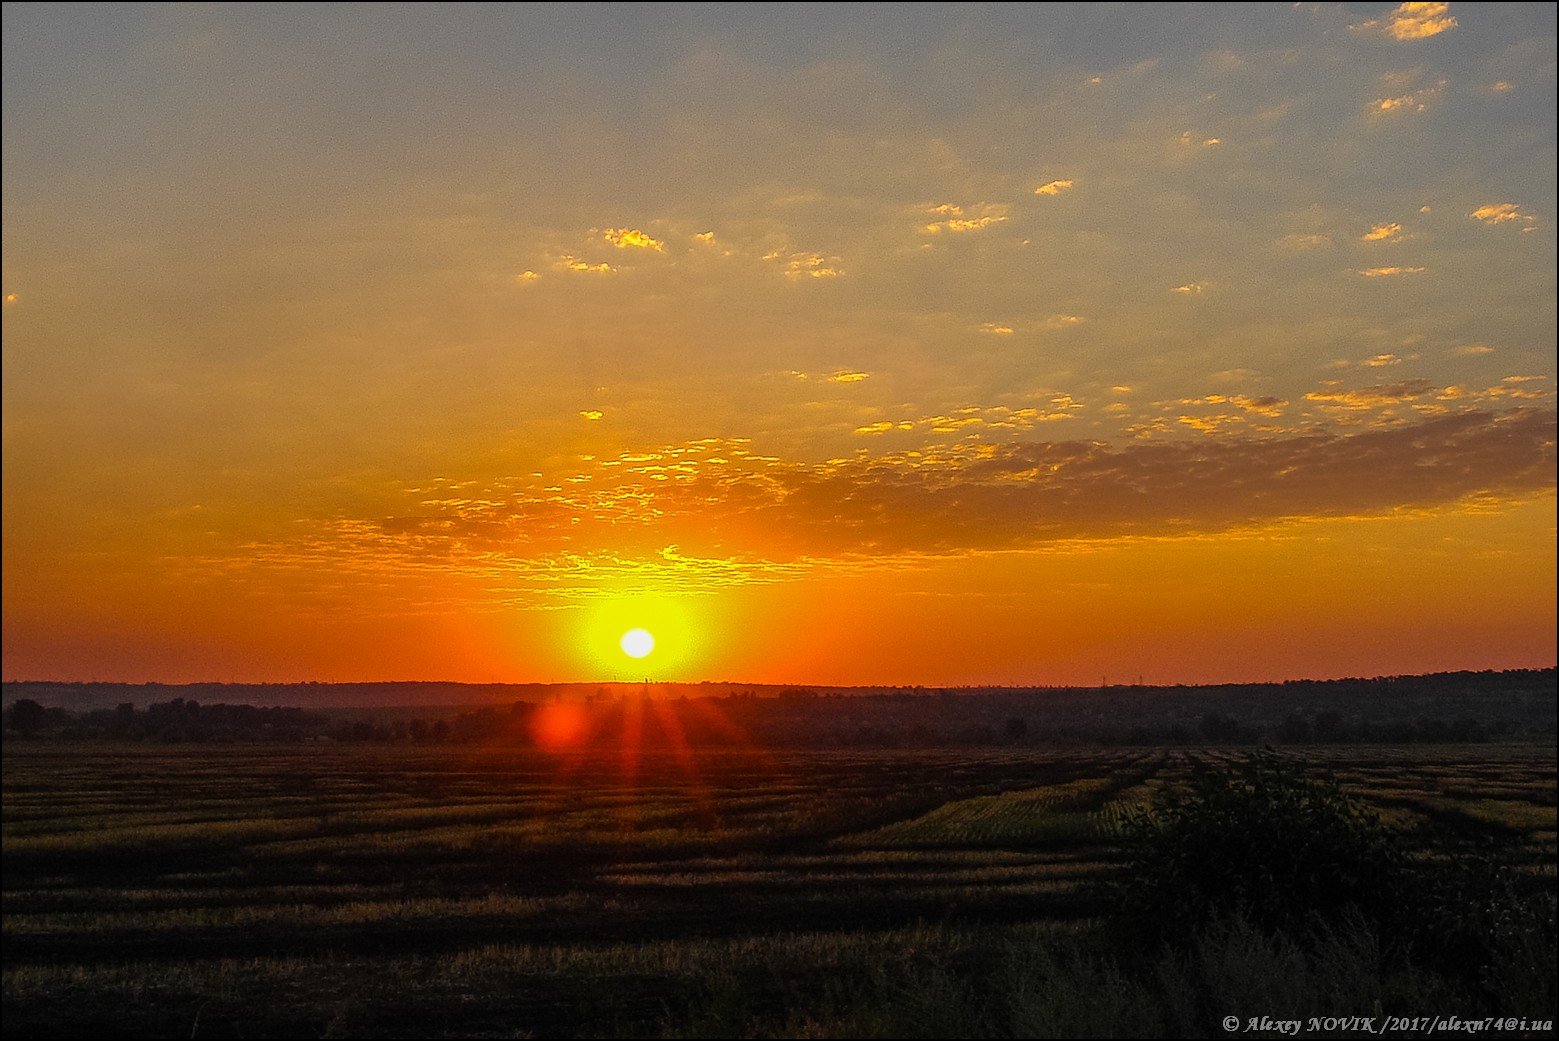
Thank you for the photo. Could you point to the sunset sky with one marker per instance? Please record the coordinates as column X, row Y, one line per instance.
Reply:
column 891, row 344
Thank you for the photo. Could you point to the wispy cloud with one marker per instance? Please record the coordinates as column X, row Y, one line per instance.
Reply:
column 1055, row 187
column 1301, row 241
column 1390, row 271
column 956, row 219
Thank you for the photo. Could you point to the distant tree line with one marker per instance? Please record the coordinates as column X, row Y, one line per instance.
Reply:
column 1495, row 707
column 176, row 720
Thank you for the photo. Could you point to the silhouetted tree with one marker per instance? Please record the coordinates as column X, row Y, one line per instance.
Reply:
column 25, row 716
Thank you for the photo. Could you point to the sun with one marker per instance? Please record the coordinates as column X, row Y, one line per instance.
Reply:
column 636, row 643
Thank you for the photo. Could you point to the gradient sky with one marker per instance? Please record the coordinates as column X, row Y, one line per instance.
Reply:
column 894, row 344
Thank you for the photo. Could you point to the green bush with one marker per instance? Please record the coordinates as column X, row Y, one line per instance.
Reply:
column 1262, row 842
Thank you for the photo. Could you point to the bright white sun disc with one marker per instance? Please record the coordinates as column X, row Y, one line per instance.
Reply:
column 636, row 643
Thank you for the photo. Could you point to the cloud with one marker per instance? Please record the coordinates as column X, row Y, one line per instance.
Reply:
column 956, row 220
column 1188, row 138
column 1063, row 321
column 737, row 516
column 1381, row 360
column 1388, row 272
column 527, row 277
column 1472, row 350
column 801, row 266
column 1268, row 405
column 584, row 267
column 1501, row 213
column 994, row 329
column 632, row 238
column 592, row 414
column 1190, row 288
column 1413, row 21
column 706, row 237
column 847, row 376
column 1300, row 241
column 1383, row 233
column 1417, row 101
column 1378, row 396
column 1054, row 187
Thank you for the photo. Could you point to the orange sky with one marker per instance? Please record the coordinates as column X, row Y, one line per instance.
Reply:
column 832, row 345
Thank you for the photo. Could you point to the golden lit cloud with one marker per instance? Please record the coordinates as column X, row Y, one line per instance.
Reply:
column 592, row 414
column 713, row 513
column 1190, row 288
column 526, row 277
column 801, row 266
column 632, row 238
column 1387, row 272
column 995, row 329
column 1377, row 396
column 1268, row 405
column 1063, row 321
column 957, row 220
column 847, row 376
column 1413, row 21
column 1501, row 213
column 584, row 267
column 1056, row 187
column 1381, row 360
column 1472, row 350
column 1417, row 101
column 1383, row 233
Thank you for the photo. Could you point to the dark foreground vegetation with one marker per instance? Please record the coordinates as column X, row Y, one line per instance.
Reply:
column 316, row 890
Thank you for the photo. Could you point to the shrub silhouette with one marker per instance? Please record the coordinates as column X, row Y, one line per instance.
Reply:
column 1263, row 842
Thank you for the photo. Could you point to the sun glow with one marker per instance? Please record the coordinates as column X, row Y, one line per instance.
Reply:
column 637, row 643
column 644, row 635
